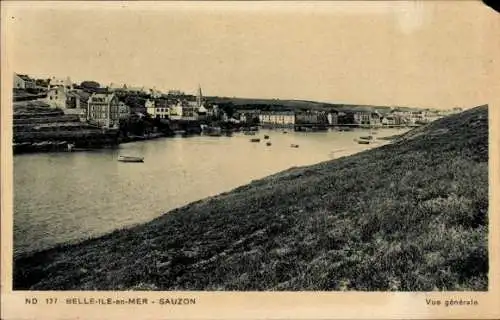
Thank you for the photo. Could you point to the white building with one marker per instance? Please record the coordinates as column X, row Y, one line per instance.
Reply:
column 123, row 110
column 57, row 97
column 61, row 82
column 158, row 108
column 278, row 118
column 22, row 81
column 176, row 112
column 333, row 118
column 155, row 94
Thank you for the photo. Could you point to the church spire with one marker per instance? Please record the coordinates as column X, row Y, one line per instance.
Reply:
column 199, row 97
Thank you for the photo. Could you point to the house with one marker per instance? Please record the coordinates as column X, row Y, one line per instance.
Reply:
column 123, row 111
column 103, row 110
column 42, row 84
column 202, row 112
column 136, row 90
column 175, row 93
column 71, row 102
column 333, row 118
column 362, row 116
column 176, row 111
column 344, row 118
column 154, row 93
column 76, row 103
column 409, row 116
column 77, row 99
column 277, row 118
column 311, row 117
column 190, row 110
column 57, row 97
column 158, row 108
column 375, row 118
column 59, row 94
column 60, row 82
column 213, row 110
column 22, row 81
column 150, row 106
column 388, row 120
column 249, row 116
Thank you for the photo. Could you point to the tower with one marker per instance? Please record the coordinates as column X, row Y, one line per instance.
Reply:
column 199, row 97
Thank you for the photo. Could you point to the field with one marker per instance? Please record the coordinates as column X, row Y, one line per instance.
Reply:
column 409, row 216
column 295, row 105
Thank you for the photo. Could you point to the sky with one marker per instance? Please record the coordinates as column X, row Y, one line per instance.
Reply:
column 422, row 54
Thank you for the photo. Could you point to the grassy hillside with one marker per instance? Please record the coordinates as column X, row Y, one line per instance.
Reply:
column 408, row 216
column 296, row 105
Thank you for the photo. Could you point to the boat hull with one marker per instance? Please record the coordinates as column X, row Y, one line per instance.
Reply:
column 130, row 159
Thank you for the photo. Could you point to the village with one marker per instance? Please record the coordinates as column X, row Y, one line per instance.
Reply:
column 51, row 113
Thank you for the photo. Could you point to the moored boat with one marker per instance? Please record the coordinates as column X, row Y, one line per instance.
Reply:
column 130, row 159
column 363, row 141
column 268, row 143
column 366, row 138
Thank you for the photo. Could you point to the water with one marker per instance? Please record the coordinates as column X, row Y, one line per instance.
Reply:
column 60, row 197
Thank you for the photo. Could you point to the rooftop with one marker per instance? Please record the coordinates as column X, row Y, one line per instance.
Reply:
column 101, row 97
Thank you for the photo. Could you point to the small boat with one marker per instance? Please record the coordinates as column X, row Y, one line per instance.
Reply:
column 366, row 138
column 255, row 140
column 284, row 132
column 294, row 145
column 363, row 141
column 130, row 159
column 268, row 143
column 266, row 136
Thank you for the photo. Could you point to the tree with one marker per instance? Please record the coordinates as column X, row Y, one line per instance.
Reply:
column 90, row 85
column 228, row 108
column 136, row 103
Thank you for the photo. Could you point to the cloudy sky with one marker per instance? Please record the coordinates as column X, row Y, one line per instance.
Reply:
column 431, row 54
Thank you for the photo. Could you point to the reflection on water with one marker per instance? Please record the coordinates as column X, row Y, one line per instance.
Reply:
column 61, row 197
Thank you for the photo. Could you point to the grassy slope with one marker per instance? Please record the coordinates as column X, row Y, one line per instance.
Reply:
column 406, row 216
column 249, row 103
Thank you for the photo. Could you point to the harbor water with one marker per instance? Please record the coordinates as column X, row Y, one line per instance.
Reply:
column 70, row 196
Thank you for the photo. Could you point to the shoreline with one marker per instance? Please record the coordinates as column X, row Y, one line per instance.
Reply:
column 51, row 146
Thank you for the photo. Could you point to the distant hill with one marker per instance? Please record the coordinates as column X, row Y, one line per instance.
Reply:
column 296, row 105
column 409, row 216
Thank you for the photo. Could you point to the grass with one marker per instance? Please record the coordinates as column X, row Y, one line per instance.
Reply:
column 410, row 216
column 297, row 105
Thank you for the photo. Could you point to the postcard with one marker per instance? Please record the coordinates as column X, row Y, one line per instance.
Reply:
column 250, row 160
